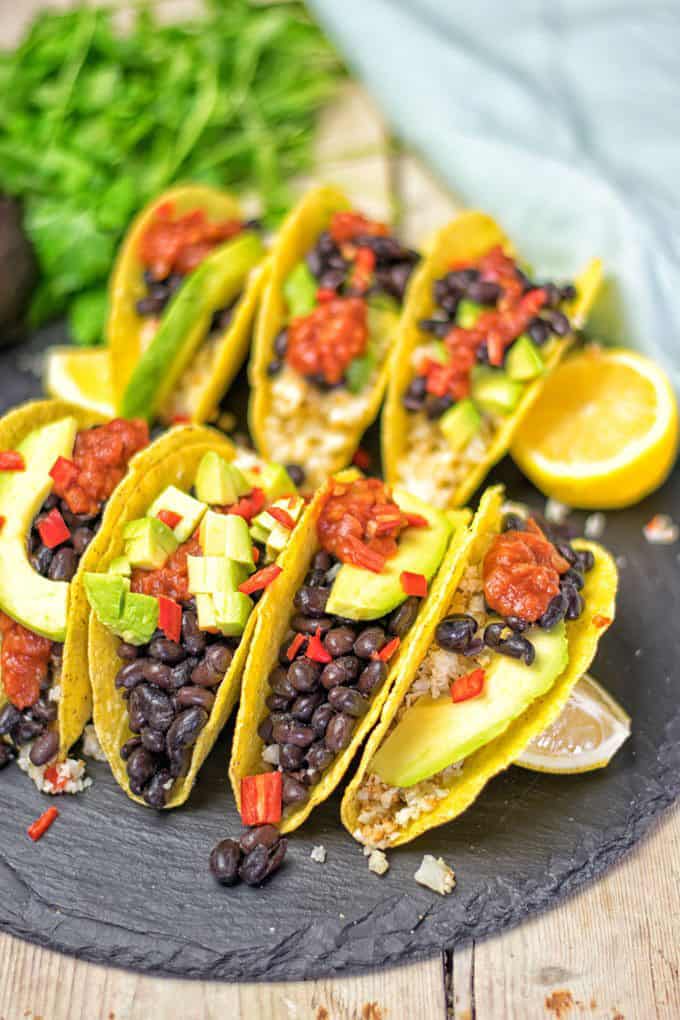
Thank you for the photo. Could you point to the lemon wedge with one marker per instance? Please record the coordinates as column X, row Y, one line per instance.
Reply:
column 82, row 376
column 603, row 432
column 586, row 736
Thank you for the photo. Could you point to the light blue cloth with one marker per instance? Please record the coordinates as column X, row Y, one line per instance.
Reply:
column 559, row 117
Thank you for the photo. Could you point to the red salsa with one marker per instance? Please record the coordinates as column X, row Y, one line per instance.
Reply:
column 172, row 579
column 346, row 226
column 522, row 573
column 24, row 660
column 179, row 245
column 323, row 343
column 100, row 458
column 360, row 523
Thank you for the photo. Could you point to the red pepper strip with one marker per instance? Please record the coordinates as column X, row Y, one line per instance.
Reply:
column 362, row 459
column 325, row 294
column 413, row 584
column 260, row 579
column 416, row 521
column 42, row 824
column 3, row 521
column 248, row 506
column 364, row 264
column 468, row 686
column 180, row 419
column 63, row 472
column 261, row 799
column 316, row 650
column 601, row 621
column 387, row 651
column 169, row 517
column 361, row 556
column 53, row 530
column 295, row 646
column 282, row 516
column 170, row 617
column 11, row 460
column 256, row 554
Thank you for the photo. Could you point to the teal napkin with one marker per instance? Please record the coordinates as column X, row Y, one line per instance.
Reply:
column 559, row 117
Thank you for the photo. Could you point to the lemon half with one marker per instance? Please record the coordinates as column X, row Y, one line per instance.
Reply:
column 82, row 377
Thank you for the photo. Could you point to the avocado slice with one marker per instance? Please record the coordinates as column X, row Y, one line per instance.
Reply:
column 106, row 595
column 32, row 600
column 359, row 594
column 524, row 360
column 494, row 391
column 213, row 285
column 460, row 423
column 435, row 733
column 189, row 509
column 299, row 290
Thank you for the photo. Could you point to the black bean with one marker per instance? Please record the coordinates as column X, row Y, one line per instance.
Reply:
column 319, row 757
column 157, row 792
column 126, row 651
column 81, row 538
column 403, row 618
column 291, row 757
column 193, row 638
column 156, row 707
column 64, row 564
column 339, row 732
column 274, row 367
column 484, row 292
column 322, row 560
column 437, row 327
column 76, row 520
column 369, row 641
column 292, row 732
column 135, row 712
column 219, row 655
column 513, row 522
column 557, row 607
column 316, row 579
column 293, row 791
column 559, row 323
column 586, row 560
column 493, row 635
column 45, row 748
column 436, row 406
column 304, row 675
column 347, row 700
column 455, row 632
column 129, row 746
column 153, row 740
column 332, row 279
column 398, row 279
column 539, row 331
column 185, row 730
column 297, row 474
column 259, row 835
column 141, row 766
column 27, row 729
column 517, row 624
column 339, row 641
column 265, row 730
column 320, row 719
column 281, row 343
column 6, row 754
column 284, row 648
column 372, row 677
column 149, row 306
column 341, row 671
column 517, row 647
column 204, row 675
column 553, row 295
column 178, row 676
column 179, row 762
column 225, row 860
column 462, row 278
column 277, row 702
column 574, row 604
column 131, row 674
column 276, row 857
column 254, row 866
column 304, row 705
column 311, row 601
column 567, row 553
column 310, row 777
column 572, row 578
column 310, row 624
column 166, row 651
column 44, row 711
column 9, row 717
column 41, row 560
column 412, row 399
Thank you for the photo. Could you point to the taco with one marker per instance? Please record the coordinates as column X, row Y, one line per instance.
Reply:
column 513, row 624
column 476, row 340
column 325, row 333
column 325, row 655
column 59, row 466
column 187, row 569
column 182, row 299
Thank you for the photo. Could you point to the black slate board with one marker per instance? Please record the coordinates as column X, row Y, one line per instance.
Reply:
column 117, row 884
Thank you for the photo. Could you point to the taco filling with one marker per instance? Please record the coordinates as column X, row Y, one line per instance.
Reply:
column 490, row 335
column 375, row 555
column 179, row 600
column 342, row 303
column 499, row 645
column 87, row 465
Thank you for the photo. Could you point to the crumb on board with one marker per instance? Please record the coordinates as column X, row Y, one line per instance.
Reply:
column 661, row 530
column 377, row 860
column 556, row 512
column 318, row 854
column 594, row 525
column 559, row 1003
column 435, row 874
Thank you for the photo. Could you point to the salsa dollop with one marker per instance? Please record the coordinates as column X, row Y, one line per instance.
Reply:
column 360, row 523
column 24, row 660
column 180, row 245
column 100, row 459
column 323, row 343
column 522, row 573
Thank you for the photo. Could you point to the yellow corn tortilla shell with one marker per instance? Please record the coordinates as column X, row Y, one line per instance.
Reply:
column 298, row 234
column 125, row 327
column 465, row 239
column 583, row 636
column 272, row 625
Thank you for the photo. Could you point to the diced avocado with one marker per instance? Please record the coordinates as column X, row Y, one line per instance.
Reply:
column 435, row 733
column 299, row 290
column 29, row 598
column 218, row 482
column 213, row 533
column 267, row 522
column 148, row 543
column 189, row 509
column 360, row 594
column 259, row 534
column 238, row 543
column 120, row 565
column 438, row 351
column 232, row 610
column 139, row 618
column 359, row 371
column 494, row 391
column 460, row 423
column 524, row 360
column 467, row 313
column 205, row 609
column 277, row 540
column 106, row 594
column 274, row 481
column 209, row 575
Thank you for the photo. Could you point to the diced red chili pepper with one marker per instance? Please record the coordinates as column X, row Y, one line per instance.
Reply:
column 295, row 646
column 3, row 521
column 362, row 459
column 316, row 650
column 413, row 584
column 57, row 780
column 260, row 579
column 468, row 686
column 169, row 517
column 180, row 419
column 42, row 824
column 249, row 506
column 362, row 274
column 601, row 621
column 496, row 348
column 416, row 521
column 261, row 799
column 11, row 460
column 325, row 294
column 387, row 651
column 256, row 554
column 53, row 530
column 64, row 472
column 170, row 617
column 282, row 516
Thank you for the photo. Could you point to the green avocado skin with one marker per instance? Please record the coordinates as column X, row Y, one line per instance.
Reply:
column 186, row 321
column 34, row 601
